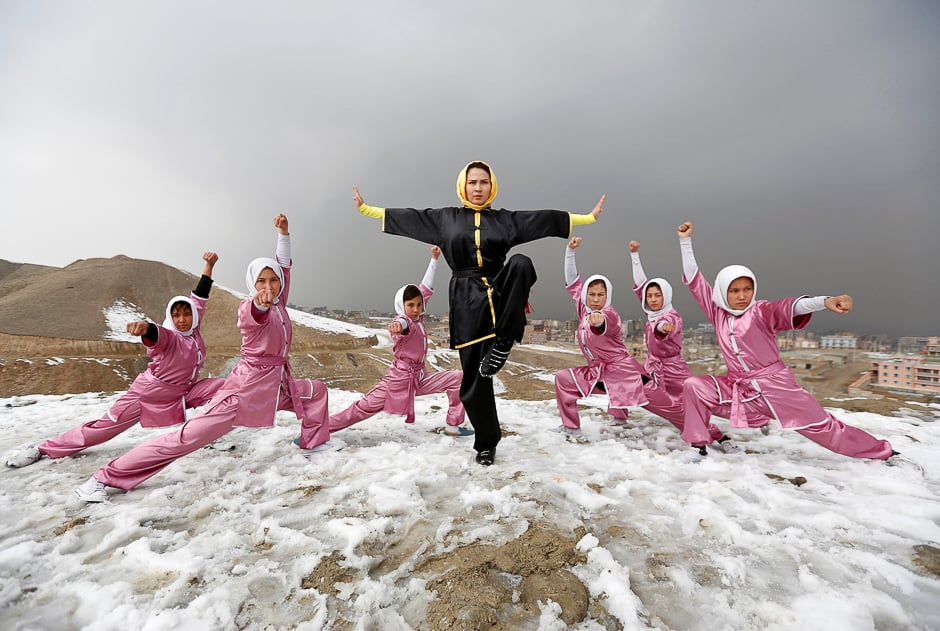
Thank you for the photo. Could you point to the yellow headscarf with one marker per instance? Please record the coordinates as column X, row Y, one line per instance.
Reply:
column 462, row 187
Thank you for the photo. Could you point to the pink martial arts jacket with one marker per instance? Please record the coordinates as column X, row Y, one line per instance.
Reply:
column 664, row 362
column 603, row 347
column 262, row 375
column 177, row 358
column 749, row 345
column 410, row 348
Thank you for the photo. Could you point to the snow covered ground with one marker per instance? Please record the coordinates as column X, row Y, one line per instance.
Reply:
column 223, row 540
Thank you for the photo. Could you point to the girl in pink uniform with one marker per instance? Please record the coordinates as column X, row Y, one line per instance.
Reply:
column 664, row 363
column 259, row 386
column 610, row 368
column 758, row 385
column 406, row 377
column 161, row 394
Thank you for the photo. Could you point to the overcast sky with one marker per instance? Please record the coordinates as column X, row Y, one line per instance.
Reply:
column 802, row 139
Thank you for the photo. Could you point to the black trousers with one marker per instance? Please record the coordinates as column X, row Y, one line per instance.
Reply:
column 511, row 288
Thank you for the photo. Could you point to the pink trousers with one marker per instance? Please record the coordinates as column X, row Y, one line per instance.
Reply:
column 671, row 408
column 151, row 457
column 567, row 394
column 661, row 403
column 702, row 399
column 104, row 429
column 374, row 400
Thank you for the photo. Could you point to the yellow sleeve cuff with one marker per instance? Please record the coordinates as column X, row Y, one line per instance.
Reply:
column 576, row 220
column 372, row 211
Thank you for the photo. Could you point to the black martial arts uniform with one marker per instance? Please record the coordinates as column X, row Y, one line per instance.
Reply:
column 488, row 294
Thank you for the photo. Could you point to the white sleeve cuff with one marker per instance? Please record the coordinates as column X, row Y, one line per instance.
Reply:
column 571, row 267
column 282, row 252
column 809, row 305
column 689, row 266
column 639, row 276
column 428, row 280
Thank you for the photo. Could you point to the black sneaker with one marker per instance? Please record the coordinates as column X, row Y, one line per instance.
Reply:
column 486, row 457
column 496, row 357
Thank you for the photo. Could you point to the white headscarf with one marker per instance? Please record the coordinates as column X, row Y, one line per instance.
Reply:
column 666, row 288
column 727, row 276
column 254, row 270
column 400, row 298
column 168, row 321
column 607, row 284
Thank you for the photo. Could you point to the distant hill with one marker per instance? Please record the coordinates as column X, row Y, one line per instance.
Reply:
column 53, row 328
column 14, row 276
column 69, row 302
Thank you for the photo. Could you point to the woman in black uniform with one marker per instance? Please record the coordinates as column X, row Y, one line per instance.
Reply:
column 488, row 293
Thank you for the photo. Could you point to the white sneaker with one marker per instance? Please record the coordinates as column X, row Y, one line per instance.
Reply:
column 23, row 456
column 330, row 445
column 92, row 491
column 692, row 456
column 726, row 446
column 568, row 431
column 616, row 422
column 221, row 444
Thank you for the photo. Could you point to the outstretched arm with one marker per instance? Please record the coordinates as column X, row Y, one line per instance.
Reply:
column 591, row 217
column 205, row 283
column 147, row 331
column 283, row 251
column 837, row 304
column 639, row 276
column 689, row 266
column 428, row 280
column 137, row 327
column 571, row 266
column 398, row 326
column 369, row 211
column 211, row 258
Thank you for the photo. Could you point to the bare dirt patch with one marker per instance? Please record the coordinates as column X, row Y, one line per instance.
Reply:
column 482, row 586
column 927, row 558
column 499, row 587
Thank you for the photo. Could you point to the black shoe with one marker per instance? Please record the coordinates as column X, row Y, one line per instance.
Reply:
column 496, row 357
column 486, row 457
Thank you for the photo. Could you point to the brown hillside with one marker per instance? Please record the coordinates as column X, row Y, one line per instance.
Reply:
column 56, row 345
column 68, row 302
column 15, row 275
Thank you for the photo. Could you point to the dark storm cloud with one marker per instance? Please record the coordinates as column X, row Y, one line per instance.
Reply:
column 801, row 138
